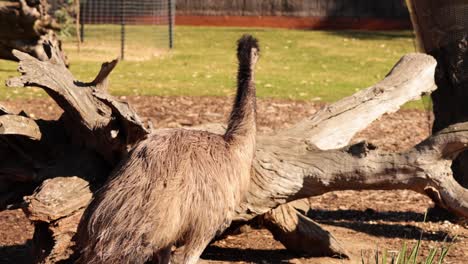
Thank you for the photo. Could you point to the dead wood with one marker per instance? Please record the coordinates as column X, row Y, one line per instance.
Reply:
column 289, row 224
column 331, row 129
column 25, row 25
column 96, row 130
column 91, row 118
column 80, row 148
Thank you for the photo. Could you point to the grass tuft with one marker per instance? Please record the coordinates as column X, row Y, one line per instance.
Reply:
column 402, row 256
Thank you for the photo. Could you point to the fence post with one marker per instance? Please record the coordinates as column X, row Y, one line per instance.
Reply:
column 170, row 15
column 82, row 10
column 122, row 30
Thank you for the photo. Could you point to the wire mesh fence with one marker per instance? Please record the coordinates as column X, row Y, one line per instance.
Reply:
column 131, row 29
column 389, row 9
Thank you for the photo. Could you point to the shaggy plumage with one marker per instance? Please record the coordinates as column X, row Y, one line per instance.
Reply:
column 177, row 187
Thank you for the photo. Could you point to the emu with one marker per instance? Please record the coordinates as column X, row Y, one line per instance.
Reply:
column 176, row 188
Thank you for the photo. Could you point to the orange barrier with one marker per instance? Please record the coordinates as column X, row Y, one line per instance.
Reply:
column 295, row 22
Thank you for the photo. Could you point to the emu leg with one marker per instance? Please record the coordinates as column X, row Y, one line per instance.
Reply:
column 163, row 256
column 190, row 253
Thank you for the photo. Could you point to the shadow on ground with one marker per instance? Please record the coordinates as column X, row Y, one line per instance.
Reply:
column 366, row 215
column 390, row 224
column 18, row 254
column 433, row 215
column 247, row 255
column 373, row 35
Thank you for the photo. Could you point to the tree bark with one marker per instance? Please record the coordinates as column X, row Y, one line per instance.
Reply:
column 442, row 31
column 331, row 129
column 25, row 25
column 300, row 234
column 66, row 160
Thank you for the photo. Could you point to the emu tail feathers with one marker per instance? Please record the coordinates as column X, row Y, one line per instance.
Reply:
column 111, row 232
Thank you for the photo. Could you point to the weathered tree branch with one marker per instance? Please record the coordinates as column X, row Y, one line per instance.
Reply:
column 331, row 128
column 19, row 125
column 92, row 117
column 335, row 125
column 59, row 203
column 62, row 156
column 301, row 234
column 359, row 167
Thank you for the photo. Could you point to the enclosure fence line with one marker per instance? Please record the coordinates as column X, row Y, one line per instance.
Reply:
column 120, row 21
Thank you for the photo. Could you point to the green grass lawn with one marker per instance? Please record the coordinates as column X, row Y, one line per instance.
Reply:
column 295, row 64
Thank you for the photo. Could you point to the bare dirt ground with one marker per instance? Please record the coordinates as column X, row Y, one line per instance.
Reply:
column 363, row 221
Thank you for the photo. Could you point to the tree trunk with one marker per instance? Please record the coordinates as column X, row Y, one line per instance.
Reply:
column 25, row 25
column 442, row 31
column 66, row 160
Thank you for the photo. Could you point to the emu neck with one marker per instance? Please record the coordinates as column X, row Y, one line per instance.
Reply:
column 242, row 123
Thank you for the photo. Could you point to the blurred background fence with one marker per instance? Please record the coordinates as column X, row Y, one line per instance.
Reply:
column 308, row 14
column 122, row 28
column 203, row 61
column 297, row 8
column 141, row 29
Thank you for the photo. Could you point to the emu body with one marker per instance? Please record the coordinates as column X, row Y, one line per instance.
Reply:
column 177, row 187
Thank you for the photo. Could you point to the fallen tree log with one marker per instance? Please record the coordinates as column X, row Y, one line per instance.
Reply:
column 331, row 129
column 70, row 158
column 25, row 25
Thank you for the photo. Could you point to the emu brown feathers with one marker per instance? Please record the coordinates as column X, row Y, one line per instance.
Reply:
column 176, row 188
